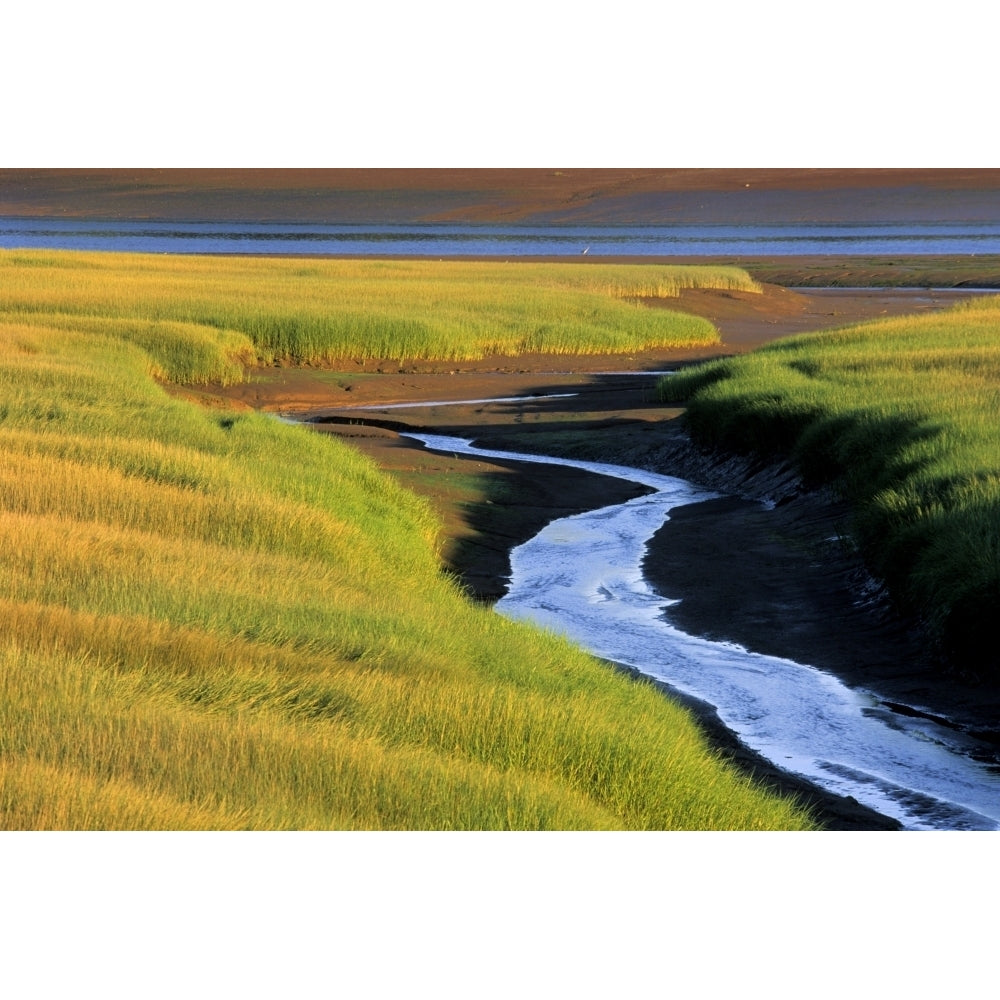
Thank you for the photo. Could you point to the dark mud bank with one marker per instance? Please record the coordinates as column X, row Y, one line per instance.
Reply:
column 770, row 566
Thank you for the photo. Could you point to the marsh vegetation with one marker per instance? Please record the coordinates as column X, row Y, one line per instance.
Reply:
column 213, row 619
column 214, row 314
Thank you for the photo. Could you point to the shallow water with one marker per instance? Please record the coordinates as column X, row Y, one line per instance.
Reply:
column 497, row 241
column 581, row 576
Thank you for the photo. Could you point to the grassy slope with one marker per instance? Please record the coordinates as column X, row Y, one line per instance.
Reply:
column 213, row 620
column 901, row 416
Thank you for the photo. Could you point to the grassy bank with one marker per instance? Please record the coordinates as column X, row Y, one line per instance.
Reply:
column 217, row 620
column 900, row 415
column 317, row 310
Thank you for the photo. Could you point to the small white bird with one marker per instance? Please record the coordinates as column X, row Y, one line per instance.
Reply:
column 586, row 250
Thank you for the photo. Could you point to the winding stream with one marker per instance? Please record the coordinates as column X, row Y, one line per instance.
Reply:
column 581, row 576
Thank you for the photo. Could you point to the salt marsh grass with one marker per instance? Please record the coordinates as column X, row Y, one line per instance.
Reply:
column 201, row 318
column 214, row 620
column 901, row 415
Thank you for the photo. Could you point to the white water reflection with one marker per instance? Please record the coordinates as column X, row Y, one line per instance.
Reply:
column 581, row 576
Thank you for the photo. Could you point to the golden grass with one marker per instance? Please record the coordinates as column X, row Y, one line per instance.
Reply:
column 220, row 621
column 203, row 318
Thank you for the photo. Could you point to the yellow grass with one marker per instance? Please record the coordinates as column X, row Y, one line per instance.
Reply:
column 213, row 620
column 204, row 317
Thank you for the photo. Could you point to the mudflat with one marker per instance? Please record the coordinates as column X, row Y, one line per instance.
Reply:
column 647, row 196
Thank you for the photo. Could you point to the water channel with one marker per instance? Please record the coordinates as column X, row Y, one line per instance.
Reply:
column 582, row 576
column 438, row 240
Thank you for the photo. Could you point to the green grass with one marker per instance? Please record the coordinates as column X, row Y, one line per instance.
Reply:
column 215, row 620
column 203, row 318
column 901, row 415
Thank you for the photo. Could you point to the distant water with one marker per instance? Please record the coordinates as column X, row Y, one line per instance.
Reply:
column 497, row 241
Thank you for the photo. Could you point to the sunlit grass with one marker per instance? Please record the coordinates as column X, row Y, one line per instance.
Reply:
column 215, row 620
column 203, row 318
column 902, row 416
